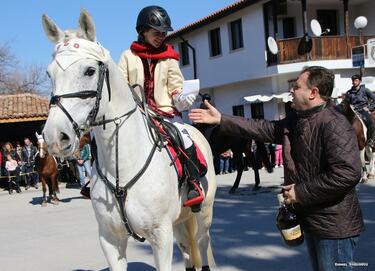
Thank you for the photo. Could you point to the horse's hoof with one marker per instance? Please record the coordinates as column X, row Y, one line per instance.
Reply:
column 206, row 268
column 55, row 202
column 232, row 191
column 44, row 204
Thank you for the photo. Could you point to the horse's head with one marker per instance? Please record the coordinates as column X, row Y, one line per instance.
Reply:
column 347, row 110
column 78, row 74
column 42, row 146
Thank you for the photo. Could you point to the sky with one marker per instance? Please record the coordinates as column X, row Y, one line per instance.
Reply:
column 21, row 27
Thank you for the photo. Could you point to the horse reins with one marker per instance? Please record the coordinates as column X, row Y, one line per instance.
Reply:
column 119, row 192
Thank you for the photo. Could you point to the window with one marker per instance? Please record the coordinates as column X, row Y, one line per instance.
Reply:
column 328, row 20
column 184, row 54
column 257, row 111
column 289, row 27
column 215, row 44
column 238, row 110
column 236, row 34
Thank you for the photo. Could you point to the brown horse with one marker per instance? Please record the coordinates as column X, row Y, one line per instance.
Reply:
column 361, row 133
column 48, row 173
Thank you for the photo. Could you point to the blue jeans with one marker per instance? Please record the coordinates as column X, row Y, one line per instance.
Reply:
column 331, row 254
column 224, row 164
column 31, row 177
column 82, row 168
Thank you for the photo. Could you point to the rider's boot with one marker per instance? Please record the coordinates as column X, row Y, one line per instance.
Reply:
column 195, row 195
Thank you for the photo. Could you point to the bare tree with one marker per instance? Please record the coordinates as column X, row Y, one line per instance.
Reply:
column 7, row 62
column 14, row 79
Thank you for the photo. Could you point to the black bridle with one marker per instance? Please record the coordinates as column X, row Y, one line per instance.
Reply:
column 119, row 192
column 85, row 94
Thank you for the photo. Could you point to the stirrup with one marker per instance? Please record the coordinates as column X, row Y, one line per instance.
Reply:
column 196, row 200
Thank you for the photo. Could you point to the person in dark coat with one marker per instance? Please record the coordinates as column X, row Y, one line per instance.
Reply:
column 321, row 165
column 29, row 152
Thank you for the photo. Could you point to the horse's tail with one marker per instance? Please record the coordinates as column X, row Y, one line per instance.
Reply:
column 191, row 225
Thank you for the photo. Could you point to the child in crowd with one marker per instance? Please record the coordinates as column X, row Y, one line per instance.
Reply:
column 11, row 166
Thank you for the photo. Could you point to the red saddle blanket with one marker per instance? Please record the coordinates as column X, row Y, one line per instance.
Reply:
column 178, row 164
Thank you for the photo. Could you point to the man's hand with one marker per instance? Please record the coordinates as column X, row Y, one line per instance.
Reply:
column 210, row 115
column 289, row 194
column 366, row 109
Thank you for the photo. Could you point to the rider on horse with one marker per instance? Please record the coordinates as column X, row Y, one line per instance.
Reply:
column 362, row 100
column 154, row 65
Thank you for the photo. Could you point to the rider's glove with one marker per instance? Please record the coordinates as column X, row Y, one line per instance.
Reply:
column 183, row 102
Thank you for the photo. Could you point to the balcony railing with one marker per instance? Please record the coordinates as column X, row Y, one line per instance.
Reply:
column 323, row 48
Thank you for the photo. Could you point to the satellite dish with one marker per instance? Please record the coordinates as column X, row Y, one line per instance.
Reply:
column 316, row 28
column 272, row 45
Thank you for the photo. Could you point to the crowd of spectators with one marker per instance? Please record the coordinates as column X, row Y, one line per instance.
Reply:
column 18, row 165
column 273, row 153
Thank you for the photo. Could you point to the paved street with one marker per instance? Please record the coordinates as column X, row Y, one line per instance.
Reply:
column 244, row 235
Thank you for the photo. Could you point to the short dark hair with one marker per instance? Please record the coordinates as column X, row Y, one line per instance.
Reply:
column 321, row 78
column 357, row 76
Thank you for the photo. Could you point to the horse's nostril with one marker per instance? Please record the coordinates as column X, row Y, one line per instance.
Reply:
column 64, row 137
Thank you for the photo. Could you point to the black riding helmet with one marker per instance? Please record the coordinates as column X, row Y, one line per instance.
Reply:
column 153, row 17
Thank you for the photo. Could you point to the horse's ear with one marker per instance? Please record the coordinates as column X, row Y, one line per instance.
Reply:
column 52, row 31
column 37, row 135
column 87, row 25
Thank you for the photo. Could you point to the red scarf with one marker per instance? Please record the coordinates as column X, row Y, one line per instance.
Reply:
column 147, row 51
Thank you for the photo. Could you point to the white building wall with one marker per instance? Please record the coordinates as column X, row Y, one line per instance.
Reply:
column 235, row 65
column 236, row 74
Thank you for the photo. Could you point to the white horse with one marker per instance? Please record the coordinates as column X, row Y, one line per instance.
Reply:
column 87, row 88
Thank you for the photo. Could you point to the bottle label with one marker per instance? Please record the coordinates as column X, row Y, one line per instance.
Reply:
column 292, row 233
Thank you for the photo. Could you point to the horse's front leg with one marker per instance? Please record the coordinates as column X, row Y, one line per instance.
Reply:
column 364, row 178
column 44, row 188
column 114, row 248
column 55, row 188
column 162, row 246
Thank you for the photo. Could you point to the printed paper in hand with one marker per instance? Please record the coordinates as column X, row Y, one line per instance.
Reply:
column 190, row 87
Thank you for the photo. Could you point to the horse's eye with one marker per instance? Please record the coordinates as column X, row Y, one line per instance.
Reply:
column 90, row 71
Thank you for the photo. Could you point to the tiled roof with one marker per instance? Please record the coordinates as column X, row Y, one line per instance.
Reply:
column 238, row 5
column 23, row 107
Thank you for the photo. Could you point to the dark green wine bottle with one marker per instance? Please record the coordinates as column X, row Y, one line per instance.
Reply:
column 288, row 224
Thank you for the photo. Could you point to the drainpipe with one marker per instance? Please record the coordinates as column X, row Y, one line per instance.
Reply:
column 304, row 24
column 194, row 59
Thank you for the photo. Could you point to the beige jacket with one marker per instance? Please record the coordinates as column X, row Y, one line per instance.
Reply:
column 167, row 77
